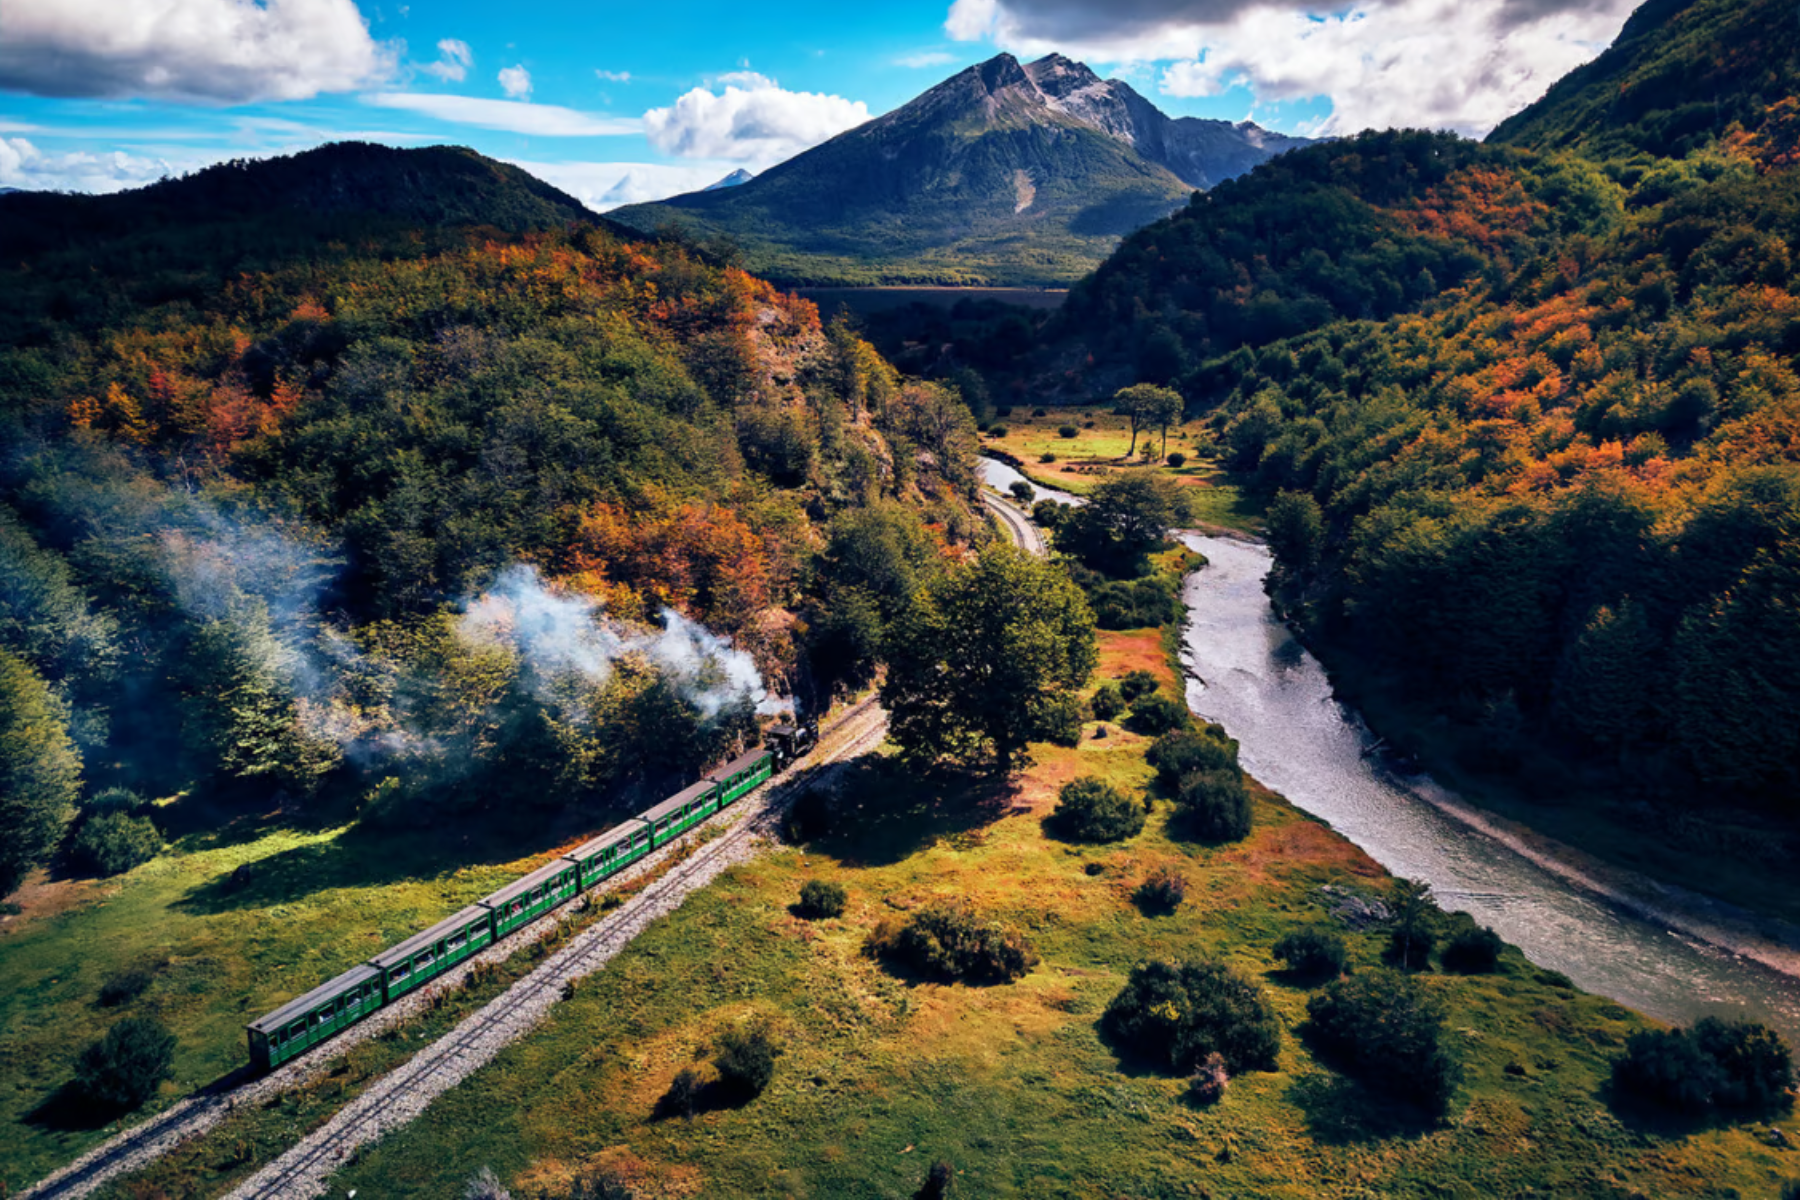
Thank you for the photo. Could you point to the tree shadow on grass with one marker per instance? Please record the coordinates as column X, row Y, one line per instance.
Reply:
column 1341, row 1111
column 69, row 1110
column 879, row 813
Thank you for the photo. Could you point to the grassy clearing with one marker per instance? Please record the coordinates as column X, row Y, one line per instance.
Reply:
column 314, row 903
column 1082, row 461
column 1013, row 1084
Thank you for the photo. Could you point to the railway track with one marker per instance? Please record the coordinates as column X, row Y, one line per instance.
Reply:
column 858, row 729
column 1018, row 527
column 305, row 1169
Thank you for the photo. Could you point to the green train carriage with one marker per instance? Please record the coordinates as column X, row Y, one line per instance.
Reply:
column 424, row 956
column 307, row 1020
column 526, row 899
column 611, row 852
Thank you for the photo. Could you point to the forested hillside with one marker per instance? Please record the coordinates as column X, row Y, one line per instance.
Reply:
column 1528, row 414
column 333, row 532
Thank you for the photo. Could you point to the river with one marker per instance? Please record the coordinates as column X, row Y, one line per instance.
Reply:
column 1255, row 679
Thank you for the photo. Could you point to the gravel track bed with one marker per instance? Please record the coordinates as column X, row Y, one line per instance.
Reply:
column 1017, row 526
column 479, row 1037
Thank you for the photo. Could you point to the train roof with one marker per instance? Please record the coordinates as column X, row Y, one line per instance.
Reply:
column 678, row 801
column 612, row 837
column 525, row 883
column 301, row 1005
column 413, row 944
column 737, row 764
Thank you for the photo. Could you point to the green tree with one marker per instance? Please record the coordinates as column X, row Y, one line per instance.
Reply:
column 1177, row 1013
column 986, row 657
column 1126, row 515
column 1296, row 530
column 1387, row 1028
column 1148, row 406
column 123, row 1069
column 1089, row 809
column 40, row 771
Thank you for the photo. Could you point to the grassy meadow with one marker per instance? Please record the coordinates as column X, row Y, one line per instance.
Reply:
column 309, row 905
column 1083, row 460
column 1013, row 1084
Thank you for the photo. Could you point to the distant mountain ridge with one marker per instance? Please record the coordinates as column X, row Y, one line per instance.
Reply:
column 1005, row 173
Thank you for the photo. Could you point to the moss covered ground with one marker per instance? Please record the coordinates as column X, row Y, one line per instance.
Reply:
column 1014, row 1084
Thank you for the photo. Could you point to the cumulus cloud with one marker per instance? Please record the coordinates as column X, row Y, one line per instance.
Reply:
column 605, row 185
column 614, row 76
column 752, row 119
column 23, row 165
column 454, row 60
column 1454, row 64
column 926, row 58
column 213, row 51
column 513, row 116
column 516, row 81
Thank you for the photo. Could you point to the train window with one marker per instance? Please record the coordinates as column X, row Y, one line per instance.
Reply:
column 401, row 972
column 457, row 942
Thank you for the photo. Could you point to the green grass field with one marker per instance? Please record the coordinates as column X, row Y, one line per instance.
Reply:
column 314, row 904
column 1086, row 459
column 1013, row 1084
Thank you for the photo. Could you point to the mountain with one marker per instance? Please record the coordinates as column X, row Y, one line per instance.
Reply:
column 1681, row 73
column 732, row 180
column 1003, row 173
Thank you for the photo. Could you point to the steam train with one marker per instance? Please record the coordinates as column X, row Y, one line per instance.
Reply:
column 306, row 1021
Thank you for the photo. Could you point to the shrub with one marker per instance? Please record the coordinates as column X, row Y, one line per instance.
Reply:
column 745, row 1058
column 1106, row 703
column 821, row 899
column 1059, row 720
column 1314, row 952
column 485, row 1185
column 1409, row 947
column 1473, row 952
column 950, row 941
column 1091, row 810
column 1023, row 492
column 1157, row 713
column 1216, row 805
column 1137, row 683
column 1048, row 513
column 1133, row 603
column 124, row 987
column 1046, row 457
column 1724, row 1064
column 998, row 431
column 1183, row 751
column 1385, row 1028
column 938, row 1182
column 1163, row 890
column 123, row 1069
column 1038, row 412
column 1067, row 431
column 113, row 799
column 1177, row 460
column 1415, row 925
column 1210, row 1080
column 111, row 843
column 1177, row 1013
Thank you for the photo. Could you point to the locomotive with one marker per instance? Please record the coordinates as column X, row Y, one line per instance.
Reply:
column 307, row 1020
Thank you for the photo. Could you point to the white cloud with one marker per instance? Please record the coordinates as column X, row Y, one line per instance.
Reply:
column 601, row 186
column 454, row 60
column 1456, row 64
column 614, row 76
column 752, row 120
column 516, row 81
column 213, row 51
column 513, row 116
column 23, row 165
column 926, row 58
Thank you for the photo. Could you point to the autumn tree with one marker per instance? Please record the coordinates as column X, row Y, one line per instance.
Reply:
column 986, row 657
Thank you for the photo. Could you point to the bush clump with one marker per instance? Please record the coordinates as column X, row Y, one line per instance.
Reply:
column 1177, row 460
column 1106, row 703
column 1067, row 431
column 1133, row 603
column 1156, row 714
column 1416, row 917
column 124, row 987
column 1385, row 1028
column 124, row 1068
column 113, row 842
column 1163, row 890
column 998, row 431
column 1183, row 751
column 1716, row 1064
column 1314, row 952
column 1048, row 513
column 951, row 941
column 1177, row 1013
column 819, row 898
column 1090, row 809
column 1047, row 457
column 1023, row 492
column 744, row 1057
column 1216, row 805
column 1038, row 412
column 1136, row 683
column 1473, row 952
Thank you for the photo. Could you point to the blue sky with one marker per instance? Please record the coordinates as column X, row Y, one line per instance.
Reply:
column 617, row 101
